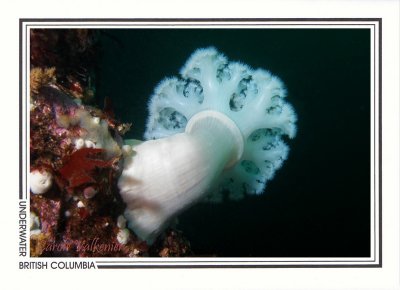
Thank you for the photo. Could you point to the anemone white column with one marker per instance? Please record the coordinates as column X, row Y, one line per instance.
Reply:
column 162, row 177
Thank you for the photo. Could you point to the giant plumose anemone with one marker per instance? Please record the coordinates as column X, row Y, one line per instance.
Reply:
column 217, row 129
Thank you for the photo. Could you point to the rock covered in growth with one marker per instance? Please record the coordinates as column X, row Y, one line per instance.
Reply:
column 75, row 153
column 82, row 206
column 80, row 214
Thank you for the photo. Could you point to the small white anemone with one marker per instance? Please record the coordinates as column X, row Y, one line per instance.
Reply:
column 34, row 224
column 79, row 143
column 123, row 236
column 127, row 150
column 40, row 181
column 121, row 222
column 90, row 144
column 96, row 133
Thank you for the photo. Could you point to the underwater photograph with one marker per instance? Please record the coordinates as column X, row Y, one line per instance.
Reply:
column 200, row 142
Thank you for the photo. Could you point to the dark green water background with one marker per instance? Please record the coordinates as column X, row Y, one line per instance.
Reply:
column 318, row 204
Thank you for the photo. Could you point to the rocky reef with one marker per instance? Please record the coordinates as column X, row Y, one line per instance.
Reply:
column 76, row 153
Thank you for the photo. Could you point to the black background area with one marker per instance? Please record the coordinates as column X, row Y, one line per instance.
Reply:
column 318, row 204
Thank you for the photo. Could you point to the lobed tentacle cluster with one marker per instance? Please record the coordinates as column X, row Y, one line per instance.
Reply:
column 253, row 99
